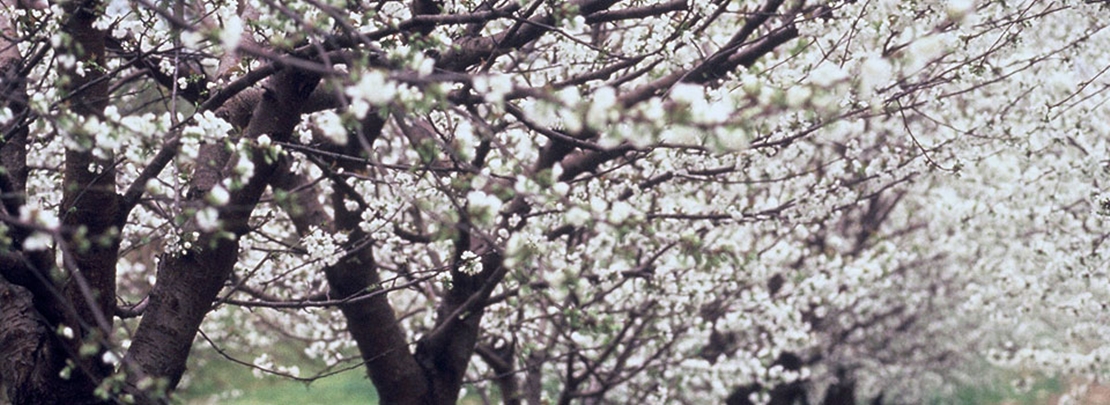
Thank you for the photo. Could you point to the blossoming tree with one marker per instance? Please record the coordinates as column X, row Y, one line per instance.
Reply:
column 595, row 201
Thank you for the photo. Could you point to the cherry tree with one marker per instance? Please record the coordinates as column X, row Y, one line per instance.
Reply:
column 590, row 201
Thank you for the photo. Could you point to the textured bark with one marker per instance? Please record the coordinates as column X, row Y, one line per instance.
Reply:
column 425, row 7
column 500, row 360
column 187, row 285
column 33, row 355
column 302, row 206
column 380, row 339
column 472, row 50
column 533, row 378
column 445, row 353
column 371, row 322
column 89, row 196
column 24, row 372
column 189, row 282
column 13, row 135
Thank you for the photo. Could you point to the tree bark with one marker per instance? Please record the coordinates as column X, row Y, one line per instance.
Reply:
column 375, row 329
column 38, row 365
column 89, row 197
column 188, row 282
column 371, row 322
column 33, row 355
column 445, row 353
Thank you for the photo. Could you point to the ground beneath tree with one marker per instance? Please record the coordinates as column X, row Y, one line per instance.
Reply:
column 1095, row 394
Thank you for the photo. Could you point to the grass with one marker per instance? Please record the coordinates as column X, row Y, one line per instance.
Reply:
column 1037, row 393
column 213, row 379
column 221, row 382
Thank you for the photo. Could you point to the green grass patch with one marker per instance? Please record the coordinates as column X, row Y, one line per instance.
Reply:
column 223, row 382
column 1038, row 391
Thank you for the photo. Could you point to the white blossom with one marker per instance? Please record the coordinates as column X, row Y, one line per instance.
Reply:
column 65, row 331
column 472, row 264
column 231, row 33
column 687, row 93
column 208, row 219
column 827, row 74
column 372, row 89
column 797, row 96
column 31, row 213
column 900, row 183
column 494, row 87
column 219, row 196
column 38, row 241
column 482, row 205
column 875, row 72
column 331, row 126
column 959, row 9
column 601, row 109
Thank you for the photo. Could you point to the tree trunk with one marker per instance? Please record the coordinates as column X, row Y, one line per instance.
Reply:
column 34, row 355
column 189, row 282
column 371, row 322
column 38, row 363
